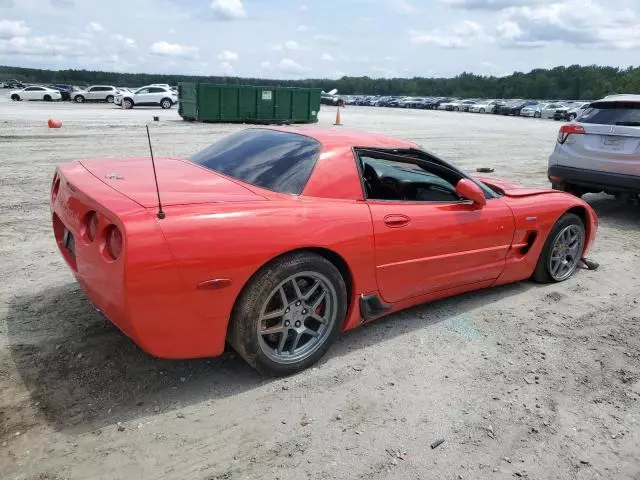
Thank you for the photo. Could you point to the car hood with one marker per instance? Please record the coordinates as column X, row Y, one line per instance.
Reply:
column 511, row 189
column 180, row 181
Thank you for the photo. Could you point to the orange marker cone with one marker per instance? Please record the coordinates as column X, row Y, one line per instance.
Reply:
column 338, row 117
column 53, row 123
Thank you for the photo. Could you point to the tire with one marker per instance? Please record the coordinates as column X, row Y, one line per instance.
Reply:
column 78, row 99
column 47, row 98
column 274, row 353
column 536, row 115
column 569, row 224
column 482, row 110
column 572, row 117
column 166, row 103
column 127, row 103
column 15, row 97
column 109, row 99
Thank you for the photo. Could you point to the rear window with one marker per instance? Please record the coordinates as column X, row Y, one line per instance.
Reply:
column 278, row 161
column 612, row 113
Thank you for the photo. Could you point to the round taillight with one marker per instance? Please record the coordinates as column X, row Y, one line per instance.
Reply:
column 91, row 226
column 113, row 244
column 54, row 188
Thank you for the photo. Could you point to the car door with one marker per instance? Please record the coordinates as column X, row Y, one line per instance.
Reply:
column 156, row 94
column 29, row 93
column 142, row 96
column 435, row 241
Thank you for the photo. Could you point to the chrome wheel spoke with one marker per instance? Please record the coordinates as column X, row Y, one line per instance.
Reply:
column 296, row 289
column 272, row 330
column 311, row 291
column 318, row 301
column 283, row 340
column 313, row 333
column 272, row 315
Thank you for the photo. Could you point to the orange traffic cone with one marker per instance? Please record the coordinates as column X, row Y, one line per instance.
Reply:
column 338, row 117
column 53, row 123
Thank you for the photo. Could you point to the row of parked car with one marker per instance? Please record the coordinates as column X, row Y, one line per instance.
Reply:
column 557, row 110
column 161, row 95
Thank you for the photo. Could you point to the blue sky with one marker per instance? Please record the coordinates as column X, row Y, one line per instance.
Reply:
column 325, row 38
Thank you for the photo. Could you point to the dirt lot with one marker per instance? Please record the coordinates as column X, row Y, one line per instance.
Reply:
column 530, row 381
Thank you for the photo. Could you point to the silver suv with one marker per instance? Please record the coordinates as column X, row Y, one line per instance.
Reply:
column 600, row 150
column 96, row 93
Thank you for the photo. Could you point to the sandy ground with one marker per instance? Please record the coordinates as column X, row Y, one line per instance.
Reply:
column 523, row 381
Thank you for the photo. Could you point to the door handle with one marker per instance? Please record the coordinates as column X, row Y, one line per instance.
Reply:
column 396, row 220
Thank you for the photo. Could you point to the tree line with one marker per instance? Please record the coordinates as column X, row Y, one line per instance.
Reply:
column 573, row 82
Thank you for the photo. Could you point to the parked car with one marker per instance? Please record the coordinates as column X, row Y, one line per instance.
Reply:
column 600, row 150
column 575, row 110
column 35, row 92
column 450, row 105
column 96, row 93
column 149, row 96
column 548, row 110
column 65, row 90
column 215, row 263
column 13, row 84
column 534, row 110
column 483, row 106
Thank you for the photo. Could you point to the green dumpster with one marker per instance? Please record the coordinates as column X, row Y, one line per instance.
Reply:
column 207, row 102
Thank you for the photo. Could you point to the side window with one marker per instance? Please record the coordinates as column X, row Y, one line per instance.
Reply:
column 404, row 181
column 142, row 91
column 156, row 90
column 29, row 89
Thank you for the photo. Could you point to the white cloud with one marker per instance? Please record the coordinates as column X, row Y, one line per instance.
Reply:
column 265, row 64
column 328, row 39
column 125, row 43
column 291, row 45
column 167, row 49
column 326, row 57
column 228, row 56
column 402, row 6
column 94, row 27
column 228, row 9
column 575, row 22
column 44, row 46
column 463, row 35
column 289, row 66
column 492, row 5
column 302, row 28
column 227, row 68
column 10, row 29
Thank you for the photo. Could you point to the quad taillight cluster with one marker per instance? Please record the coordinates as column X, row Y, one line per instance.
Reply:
column 110, row 237
column 569, row 129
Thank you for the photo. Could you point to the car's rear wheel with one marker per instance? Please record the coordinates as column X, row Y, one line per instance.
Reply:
column 78, row 99
column 166, row 103
column 109, row 99
column 289, row 314
column 562, row 250
column 47, row 98
column 536, row 115
column 15, row 97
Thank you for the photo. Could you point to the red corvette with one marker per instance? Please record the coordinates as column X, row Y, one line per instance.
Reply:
column 276, row 240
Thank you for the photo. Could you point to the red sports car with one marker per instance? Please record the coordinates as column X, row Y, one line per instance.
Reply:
column 276, row 240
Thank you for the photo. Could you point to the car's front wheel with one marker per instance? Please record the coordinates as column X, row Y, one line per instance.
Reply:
column 562, row 251
column 127, row 103
column 289, row 314
column 536, row 115
column 15, row 97
column 166, row 103
column 78, row 99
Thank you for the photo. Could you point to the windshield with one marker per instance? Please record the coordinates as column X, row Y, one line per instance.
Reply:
column 612, row 113
column 278, row 161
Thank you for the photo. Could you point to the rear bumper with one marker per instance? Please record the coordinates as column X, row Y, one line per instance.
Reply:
column 594, row 180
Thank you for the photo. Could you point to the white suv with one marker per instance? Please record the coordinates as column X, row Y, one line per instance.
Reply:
column 600, row 150
column 96, row 93
column 151, row 95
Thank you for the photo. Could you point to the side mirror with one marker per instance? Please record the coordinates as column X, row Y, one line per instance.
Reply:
column 469, row 190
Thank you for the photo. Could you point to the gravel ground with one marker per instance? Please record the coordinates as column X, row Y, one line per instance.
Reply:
column 527, row 381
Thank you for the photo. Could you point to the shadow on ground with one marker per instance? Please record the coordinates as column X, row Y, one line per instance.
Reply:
column 82, row 373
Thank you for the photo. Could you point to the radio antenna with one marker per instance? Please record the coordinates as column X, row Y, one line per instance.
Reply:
column 160, row 213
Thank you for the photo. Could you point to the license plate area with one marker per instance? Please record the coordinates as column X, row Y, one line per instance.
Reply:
column 612, row 143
